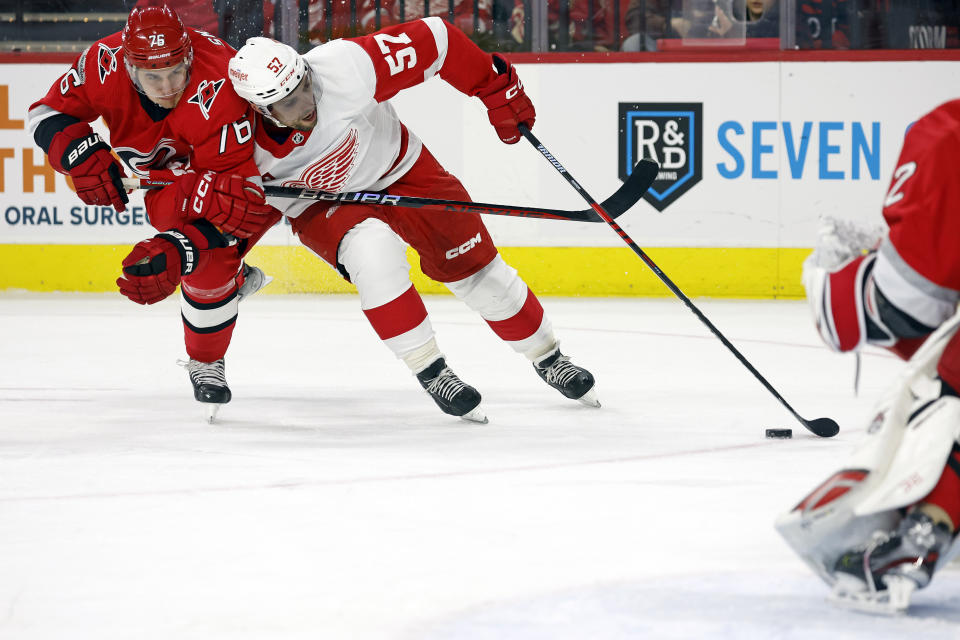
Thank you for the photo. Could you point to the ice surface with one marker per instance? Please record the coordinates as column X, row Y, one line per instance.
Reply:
column 333, row 500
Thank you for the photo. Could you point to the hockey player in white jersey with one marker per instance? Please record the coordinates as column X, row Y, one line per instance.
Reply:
column 884, row 523
column 325, row 123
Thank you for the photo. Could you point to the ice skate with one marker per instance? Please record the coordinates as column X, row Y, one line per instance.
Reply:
column 209, row 384
column 572, row 381
column 881, row 576
column 451, row 394
column 254, row 279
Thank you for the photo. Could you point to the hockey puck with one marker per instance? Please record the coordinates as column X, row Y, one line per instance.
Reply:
column 779, row 433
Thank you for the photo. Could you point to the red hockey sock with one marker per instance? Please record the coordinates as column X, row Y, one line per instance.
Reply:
column 400, row 315
column 946, row 494
column 208, row 322
column 523, row 323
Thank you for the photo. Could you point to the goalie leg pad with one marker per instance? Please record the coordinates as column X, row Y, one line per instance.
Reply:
column 946, row 494
column 909, row 438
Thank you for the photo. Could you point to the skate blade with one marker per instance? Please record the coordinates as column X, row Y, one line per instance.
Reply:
column 893, row 601
column 590, row 398
column 476, row 415
column 212, row 410
column 255, row 280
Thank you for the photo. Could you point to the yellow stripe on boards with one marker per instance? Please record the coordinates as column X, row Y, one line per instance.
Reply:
column 742, row 272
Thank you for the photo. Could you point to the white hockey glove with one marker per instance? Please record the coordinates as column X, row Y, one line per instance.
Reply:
column 834, row 277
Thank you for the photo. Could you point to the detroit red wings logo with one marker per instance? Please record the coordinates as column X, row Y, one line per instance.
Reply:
column 331, row 172
column 206, row 93
column 106, row 61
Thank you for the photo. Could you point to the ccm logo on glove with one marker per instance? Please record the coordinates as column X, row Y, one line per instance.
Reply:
column 507, row 103
column 203, row 187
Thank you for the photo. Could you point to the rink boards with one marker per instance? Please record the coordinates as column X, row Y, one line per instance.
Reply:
column 751, row 154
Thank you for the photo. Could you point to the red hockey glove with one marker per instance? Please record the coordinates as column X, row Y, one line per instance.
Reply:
column 507, row 104
column 152, row 271
column 229, row 201
column 83, row 155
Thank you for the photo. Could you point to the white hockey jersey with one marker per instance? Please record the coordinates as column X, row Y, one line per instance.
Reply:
column 359, row 143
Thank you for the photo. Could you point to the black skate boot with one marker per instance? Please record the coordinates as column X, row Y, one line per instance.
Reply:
column 896, row 561
column 572, row 381
column 451, row 394
column 209, row 384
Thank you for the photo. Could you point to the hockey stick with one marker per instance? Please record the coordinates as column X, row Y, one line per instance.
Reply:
column 823, row 427
column 616, row 205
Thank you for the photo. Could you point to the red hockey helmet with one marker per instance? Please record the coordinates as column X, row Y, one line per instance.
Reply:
column 155, row 38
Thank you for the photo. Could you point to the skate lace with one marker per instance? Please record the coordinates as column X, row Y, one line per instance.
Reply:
column 205, row 372
column 562, row 371
column 446, row 385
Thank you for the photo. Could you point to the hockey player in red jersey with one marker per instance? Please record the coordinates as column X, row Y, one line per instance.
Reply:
column 161, row 89
column 324, row 122
column 881, row 526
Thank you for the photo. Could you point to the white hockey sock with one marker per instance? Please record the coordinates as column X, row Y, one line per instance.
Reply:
column 535, row 353
column 423, row 356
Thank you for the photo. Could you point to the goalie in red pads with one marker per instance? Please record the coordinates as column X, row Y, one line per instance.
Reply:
column 882, row 526
column 324, row 123
column 162, row 91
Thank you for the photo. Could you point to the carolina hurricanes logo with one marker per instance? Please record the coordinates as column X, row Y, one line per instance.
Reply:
column 140, row 163
column 206, row 94
column 331, row 172
column 106, row 61
column 297, row 138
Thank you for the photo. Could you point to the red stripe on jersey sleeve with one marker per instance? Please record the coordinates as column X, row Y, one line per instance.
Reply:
column 401, row 56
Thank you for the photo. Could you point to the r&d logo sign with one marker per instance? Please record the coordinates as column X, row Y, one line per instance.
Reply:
column 671, row 133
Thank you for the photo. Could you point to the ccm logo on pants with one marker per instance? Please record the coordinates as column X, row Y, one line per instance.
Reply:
column 462, row 249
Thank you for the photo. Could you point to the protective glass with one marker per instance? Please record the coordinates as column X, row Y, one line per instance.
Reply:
column 162, row 83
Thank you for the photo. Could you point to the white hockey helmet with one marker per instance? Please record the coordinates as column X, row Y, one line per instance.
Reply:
column 265, row 71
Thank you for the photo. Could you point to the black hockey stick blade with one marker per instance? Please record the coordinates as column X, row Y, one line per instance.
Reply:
column 823, row 427
column 630, row 192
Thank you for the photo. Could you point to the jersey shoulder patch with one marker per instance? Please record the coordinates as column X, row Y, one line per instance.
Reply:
column 107, row 60
column 210, row 96
column 100, row 66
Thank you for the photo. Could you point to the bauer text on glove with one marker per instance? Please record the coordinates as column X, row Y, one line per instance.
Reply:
column 153, row 269
column 83, row 155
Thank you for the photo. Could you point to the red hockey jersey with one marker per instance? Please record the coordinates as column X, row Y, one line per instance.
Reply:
column 210, row 128
column 924, row 196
